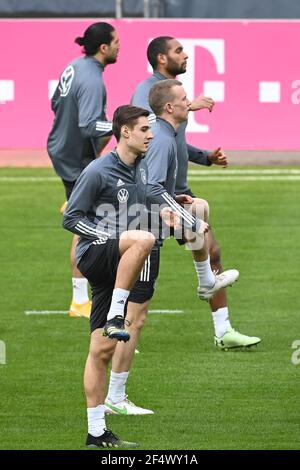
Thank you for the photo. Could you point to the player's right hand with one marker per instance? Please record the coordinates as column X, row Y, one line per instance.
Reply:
column 202, row 102
column 170, row 217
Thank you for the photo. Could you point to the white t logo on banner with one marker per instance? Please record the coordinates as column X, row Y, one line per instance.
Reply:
column 216, row 48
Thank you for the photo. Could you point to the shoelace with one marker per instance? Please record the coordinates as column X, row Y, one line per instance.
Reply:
column 231, row 330
column 221, row 276
column 109, row 434
column 128, row 401
column 215, row 272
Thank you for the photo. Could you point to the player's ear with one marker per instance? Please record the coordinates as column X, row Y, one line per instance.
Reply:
column 169, row 108
column 125, row 131
column 103, row 48
column 161, row 59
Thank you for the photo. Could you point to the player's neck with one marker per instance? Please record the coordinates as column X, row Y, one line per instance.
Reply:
column 170, row 120
column 165, row 73
column 100, row 59
column 125, row 154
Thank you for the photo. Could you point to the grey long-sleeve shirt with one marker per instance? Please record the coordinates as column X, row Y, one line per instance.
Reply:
column 185, row 152
column 79, row 104
column 109, row 197
column 161, row 160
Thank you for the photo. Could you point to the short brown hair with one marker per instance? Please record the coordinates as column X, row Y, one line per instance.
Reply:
column 161, row 93
column 126, row 115
column 159, row 45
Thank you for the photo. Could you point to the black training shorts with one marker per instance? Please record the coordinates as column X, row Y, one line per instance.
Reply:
column 99, row 265
column 69, row 186
column 143, row 289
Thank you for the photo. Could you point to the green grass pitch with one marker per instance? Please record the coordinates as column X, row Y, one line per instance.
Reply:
column 203, row 398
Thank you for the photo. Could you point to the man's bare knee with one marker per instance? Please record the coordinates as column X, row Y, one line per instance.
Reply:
column 140, row 239
column 201, row 209
column 137, row 323
column 146, row 242
column 101, row 348
column 136, row 315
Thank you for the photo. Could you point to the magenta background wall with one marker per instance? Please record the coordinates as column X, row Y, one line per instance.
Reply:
column 252, row 69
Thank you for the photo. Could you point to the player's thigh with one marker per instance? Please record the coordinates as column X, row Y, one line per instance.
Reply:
column 99, row 265
column 131, row 237
column 200, row 209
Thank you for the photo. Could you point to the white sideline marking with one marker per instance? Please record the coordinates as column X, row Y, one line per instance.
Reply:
column 30, row 179
column 195, row 175
column 241, row 171
column 245, row 178
column 46, row 312
column 64, row 312
column 201, row 176
column 166, row 311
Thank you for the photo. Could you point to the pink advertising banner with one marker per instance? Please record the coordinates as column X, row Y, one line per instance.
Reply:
column 250, row 68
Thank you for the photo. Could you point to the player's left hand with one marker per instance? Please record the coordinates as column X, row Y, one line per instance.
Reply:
column 218, row 157
column 184, row 199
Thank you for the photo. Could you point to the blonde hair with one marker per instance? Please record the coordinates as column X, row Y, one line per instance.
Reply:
column 162, row 93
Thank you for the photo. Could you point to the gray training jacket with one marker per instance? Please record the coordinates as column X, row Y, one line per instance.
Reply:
column 111, row 197
column 161, row 160
column 185, row 152
column 79, row 104
column 100, row 201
